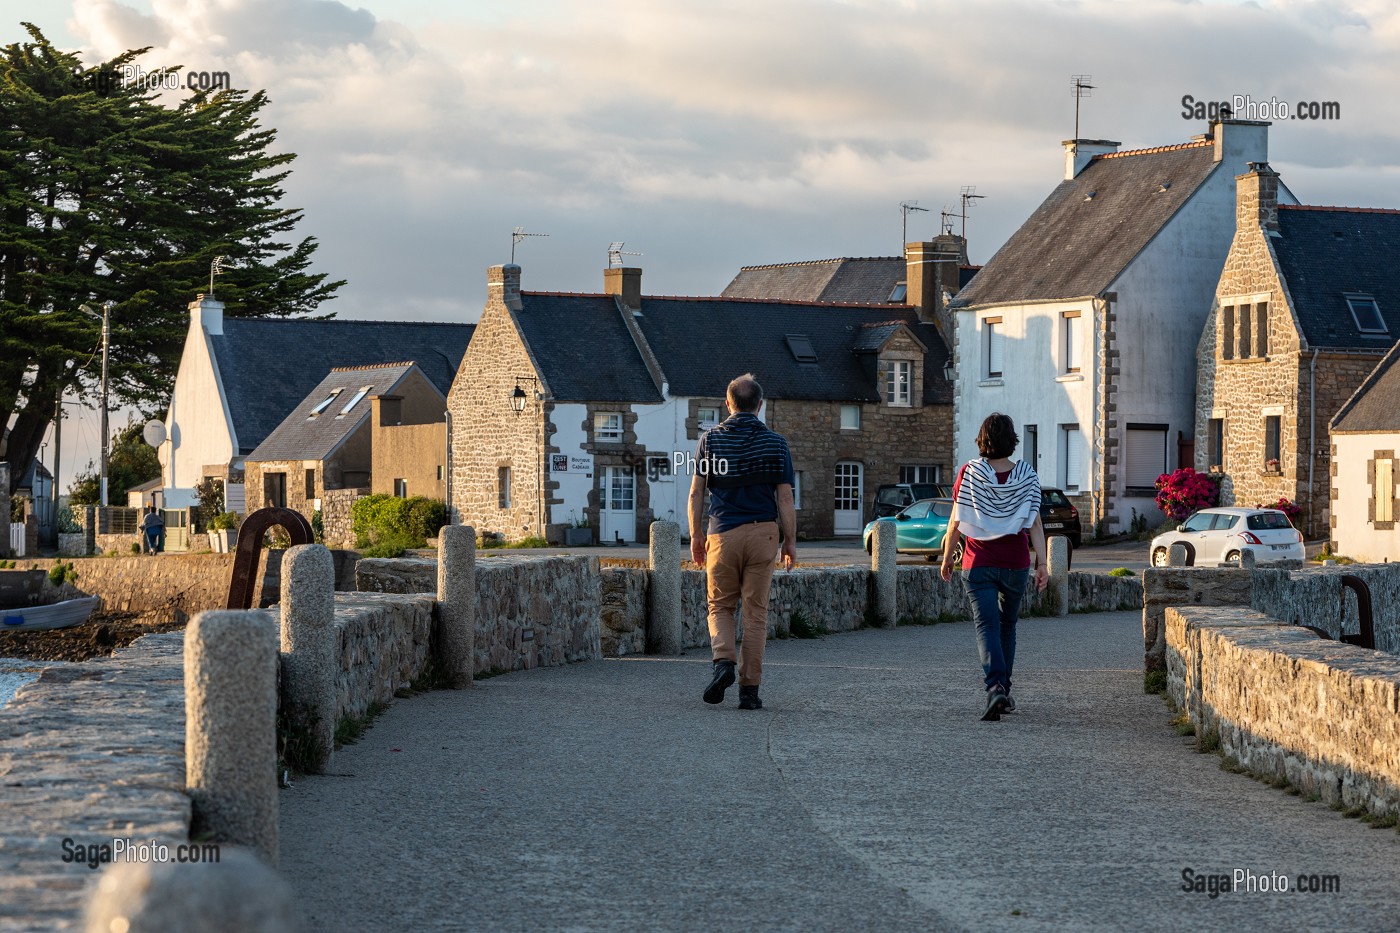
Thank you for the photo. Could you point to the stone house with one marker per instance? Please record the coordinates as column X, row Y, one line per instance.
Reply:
column 1308, row 303
column 585, row 407
column 240, row 378
column 328, row 441
column 1083, row 326
column 1364, row 508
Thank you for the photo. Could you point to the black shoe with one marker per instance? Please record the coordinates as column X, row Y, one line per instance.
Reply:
column 1010, row 703
column 748, row 697
column 724, row 677
column 996, row 705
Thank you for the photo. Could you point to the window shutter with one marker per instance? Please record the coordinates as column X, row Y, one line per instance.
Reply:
column 1074, row 459
column 1384, row 492
column 1147, row 456
column 996, row 349
column 1072, row 344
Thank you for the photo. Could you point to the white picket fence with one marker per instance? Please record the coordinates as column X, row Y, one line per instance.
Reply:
column 16, row 539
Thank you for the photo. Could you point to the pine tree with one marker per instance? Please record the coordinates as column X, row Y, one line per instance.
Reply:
column 107, row 194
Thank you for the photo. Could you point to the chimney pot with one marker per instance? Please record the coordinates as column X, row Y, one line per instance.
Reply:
column 1078, row 153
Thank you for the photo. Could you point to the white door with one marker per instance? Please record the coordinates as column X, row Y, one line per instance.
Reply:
column 848, row 499
column 619, row 512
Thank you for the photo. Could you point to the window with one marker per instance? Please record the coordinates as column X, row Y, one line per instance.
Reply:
column 1261, row 329
column 1273, row 427
column 1071, row 337
column 994, row 352
column 897, row 382
column 1383, row 488
column 1030, row 445
column 503, row 487
column 899, row 293
column 1227, row 332
column 797, row 491
column 401, row 489
column 275, row 490
column 918, row 509
column 1215, row 445
column 1366, row 313
column 439, row 472
column 607, row 426
column 1201, row 521
column 621, row 490
column 1146, row 455
column 325, row 402
column 1269, row 521
column 1223, row 522
column 708, row 417
column 310, row 484
column 850, row 417
column 918, row 474
column 354, row 399
column 1243, row 351
column 801, row 347
column 1071, row 458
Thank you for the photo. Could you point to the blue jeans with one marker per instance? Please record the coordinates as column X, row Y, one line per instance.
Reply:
column 994, row 595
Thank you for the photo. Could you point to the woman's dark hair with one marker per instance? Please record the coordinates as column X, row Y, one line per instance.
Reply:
column 998, row 437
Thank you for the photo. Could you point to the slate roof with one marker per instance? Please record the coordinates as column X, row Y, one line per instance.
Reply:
column 869, row 280
column 1375, row 406
column 584, row 350
column 1090, row 227
column 702, row 343
column 1326, row 252
column 303, row 437
column 269, row 365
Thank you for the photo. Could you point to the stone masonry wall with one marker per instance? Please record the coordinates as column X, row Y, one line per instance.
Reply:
column 384, row 643
column 337, row 523
column 171, row 587
column 1164, row 587
column 530, row 611
column 1290, row 706
column 1315, row 596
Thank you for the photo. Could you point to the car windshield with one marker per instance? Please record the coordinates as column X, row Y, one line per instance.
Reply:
column 1053, row 498
column 1199, row 522
column 924, row 490
column 917, row 510
column 893, row 495
column 1268, row 521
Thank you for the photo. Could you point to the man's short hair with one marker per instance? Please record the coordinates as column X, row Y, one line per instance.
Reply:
column 744, row 393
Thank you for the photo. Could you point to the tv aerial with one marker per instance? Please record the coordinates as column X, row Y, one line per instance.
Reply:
column 967, row 195
column 616, row 252
column 1081, row 88
column 518, row 235
column 906, row 208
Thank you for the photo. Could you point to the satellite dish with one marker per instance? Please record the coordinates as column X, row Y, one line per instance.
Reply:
column 154, row 432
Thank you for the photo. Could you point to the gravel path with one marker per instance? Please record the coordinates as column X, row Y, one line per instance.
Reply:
column 865, row 796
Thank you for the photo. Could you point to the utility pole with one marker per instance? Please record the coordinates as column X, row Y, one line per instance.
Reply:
column 106, row 343
column 57, row 445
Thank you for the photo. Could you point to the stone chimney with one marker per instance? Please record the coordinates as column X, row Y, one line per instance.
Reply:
column 626, row 283
column 1078, row 152
column 931, row 271
column 207, row 313
column 503, row 284
column 1256, row 198
column 1240, row 141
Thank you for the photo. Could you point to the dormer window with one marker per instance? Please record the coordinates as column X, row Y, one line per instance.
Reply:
column 1366, row 313
column 899, row 378
column 325, row 403
column 354, row 400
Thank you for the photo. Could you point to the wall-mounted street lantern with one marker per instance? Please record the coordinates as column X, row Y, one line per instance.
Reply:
column 948, row 370
column 519, row 396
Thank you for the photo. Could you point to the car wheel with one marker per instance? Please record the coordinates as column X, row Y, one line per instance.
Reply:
column 1233, row 557
column 1159, row 557
column 932, row 558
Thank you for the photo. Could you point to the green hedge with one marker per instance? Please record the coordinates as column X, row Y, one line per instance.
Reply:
column 386, row 526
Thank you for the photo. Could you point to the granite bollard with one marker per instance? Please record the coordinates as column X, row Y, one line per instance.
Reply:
column 1176, row 556
column 885, row 566
column 456, row 593
column 309, row 652
column 5, row 509
column 664, row 595
column 1057, row 562
column 238, row 893
column 231, row 728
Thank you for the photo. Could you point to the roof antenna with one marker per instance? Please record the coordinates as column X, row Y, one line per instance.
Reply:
column 906, row 208
column 1080, row 88
column 966, row 195
column 216, row 267
column 517, row 235
column 615, row 254
column 945, row 220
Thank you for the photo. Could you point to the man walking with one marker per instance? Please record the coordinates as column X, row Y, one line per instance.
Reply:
column 747, row 469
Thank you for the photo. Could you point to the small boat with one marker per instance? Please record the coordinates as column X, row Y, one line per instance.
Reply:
column 66, row 614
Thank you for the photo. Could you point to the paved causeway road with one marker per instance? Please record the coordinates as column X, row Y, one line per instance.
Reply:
column 865, row 796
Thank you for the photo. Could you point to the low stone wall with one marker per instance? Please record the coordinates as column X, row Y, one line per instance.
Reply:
column 1164, row 587
column 530, row 611
column 337, row 525
column 383, row 645
column 168, row 587
column 624, row 607
column 1314, row 596
column 87, row 752
column 1288, row 705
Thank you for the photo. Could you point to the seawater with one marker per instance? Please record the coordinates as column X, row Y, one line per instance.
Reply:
column 15, row 673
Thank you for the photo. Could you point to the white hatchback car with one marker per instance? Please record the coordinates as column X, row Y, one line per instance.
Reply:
column 1220, row 536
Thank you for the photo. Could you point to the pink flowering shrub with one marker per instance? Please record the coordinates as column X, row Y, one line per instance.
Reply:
column 1286, row 506
column 1185, row 491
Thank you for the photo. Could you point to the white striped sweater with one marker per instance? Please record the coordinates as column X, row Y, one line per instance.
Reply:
column 987, row 509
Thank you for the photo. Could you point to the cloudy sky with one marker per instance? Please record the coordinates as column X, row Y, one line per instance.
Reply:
column 710, row 135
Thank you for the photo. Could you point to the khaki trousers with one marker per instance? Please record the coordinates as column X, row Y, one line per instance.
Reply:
column 739, row 566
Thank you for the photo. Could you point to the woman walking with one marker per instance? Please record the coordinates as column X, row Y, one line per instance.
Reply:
column 995, row 503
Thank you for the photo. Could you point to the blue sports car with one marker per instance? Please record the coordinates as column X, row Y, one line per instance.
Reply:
column 919, row 528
